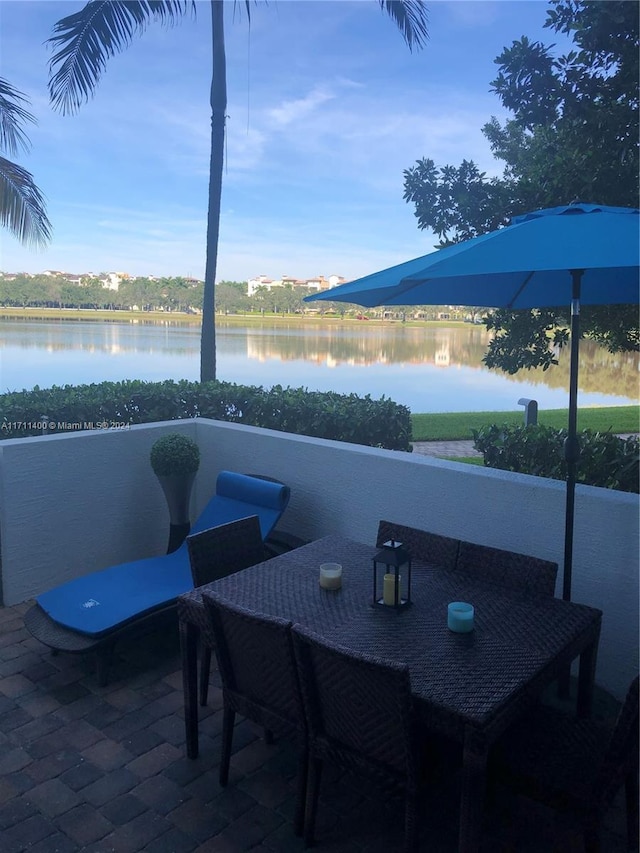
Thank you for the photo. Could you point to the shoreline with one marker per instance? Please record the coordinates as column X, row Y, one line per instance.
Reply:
column 102, row 315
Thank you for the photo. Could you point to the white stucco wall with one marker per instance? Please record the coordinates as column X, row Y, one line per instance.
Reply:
column 77, row 502
column 70, row 504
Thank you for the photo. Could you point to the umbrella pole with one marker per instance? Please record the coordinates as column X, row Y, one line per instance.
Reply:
column 571, row 454
column 571, row 447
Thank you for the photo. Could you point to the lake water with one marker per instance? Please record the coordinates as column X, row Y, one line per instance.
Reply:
column 429, row 369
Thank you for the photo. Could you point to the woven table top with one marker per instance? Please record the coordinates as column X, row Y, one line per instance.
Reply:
column 483, row 679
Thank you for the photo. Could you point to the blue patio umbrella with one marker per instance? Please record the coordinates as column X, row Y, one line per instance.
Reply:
column 562, row 255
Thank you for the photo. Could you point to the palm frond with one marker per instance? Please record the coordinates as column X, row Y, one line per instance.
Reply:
column 22, row 206
column 12, row 115
column 237, row 9
column 411, row 18
column 85, row 40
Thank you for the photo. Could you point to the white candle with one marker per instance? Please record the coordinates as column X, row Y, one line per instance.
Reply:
column 460, row 617
column 330, row 575
column 389, row 589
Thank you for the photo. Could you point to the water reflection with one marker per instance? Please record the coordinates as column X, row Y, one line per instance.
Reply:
column 427, row 368
column 366, row 345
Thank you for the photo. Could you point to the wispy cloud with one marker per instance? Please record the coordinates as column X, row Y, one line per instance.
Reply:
column 326, row 109
column 299, row 110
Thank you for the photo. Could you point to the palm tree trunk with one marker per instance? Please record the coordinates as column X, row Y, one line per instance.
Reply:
column 216, row 164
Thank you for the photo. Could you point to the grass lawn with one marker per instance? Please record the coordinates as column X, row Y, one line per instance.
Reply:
column 454, row 426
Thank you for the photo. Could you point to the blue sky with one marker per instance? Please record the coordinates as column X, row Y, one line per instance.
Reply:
column 327, row 107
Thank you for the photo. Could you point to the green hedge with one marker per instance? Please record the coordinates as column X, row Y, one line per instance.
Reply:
column 343, row 417
column 605, row 460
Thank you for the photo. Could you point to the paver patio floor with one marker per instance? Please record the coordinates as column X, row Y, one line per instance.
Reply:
column 89, row 768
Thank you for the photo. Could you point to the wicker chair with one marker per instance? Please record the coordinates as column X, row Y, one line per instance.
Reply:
column 218, row 552
column 374, row 737
column 575, row 765
column 518, row 572
column 259, row 680
column 423, row 546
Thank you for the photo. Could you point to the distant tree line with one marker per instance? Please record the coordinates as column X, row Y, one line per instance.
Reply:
column 144, row 294
column 232, row 298
column 183, row 295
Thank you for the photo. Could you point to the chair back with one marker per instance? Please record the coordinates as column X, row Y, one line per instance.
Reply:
column 241, row 495
column 621, row 757
column 423, row 546
column 518, row 572
column 225, row 549
column 358, row 709
column 256, row 663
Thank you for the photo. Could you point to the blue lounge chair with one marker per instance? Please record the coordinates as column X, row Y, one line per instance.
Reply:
column 89, row 613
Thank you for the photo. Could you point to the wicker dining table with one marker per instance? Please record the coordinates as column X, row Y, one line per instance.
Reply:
column 469, row 687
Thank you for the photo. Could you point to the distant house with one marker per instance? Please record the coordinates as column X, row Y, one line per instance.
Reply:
column 261, row 281
column 110, row 280
column 289, row 281
column 113, row 280
column 317, row 283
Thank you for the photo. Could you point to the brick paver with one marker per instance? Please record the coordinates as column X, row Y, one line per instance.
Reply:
column 54, row 797
column 84, row 824
column 104, row 770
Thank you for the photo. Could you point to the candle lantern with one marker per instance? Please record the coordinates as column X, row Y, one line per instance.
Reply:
column 392, row 576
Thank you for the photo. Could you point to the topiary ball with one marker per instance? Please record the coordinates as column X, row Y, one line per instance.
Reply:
column 174, row 454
